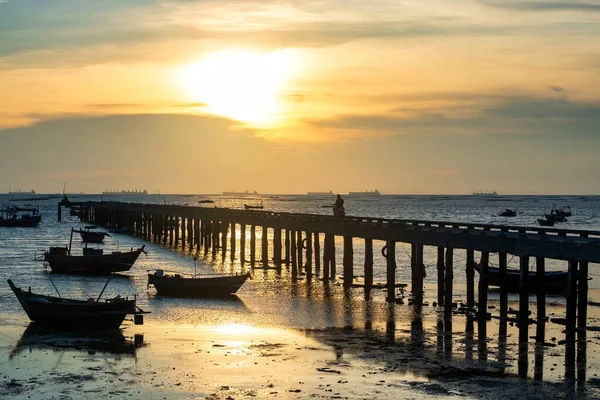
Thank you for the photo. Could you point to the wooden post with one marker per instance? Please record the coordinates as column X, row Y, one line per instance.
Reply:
column 470, row 273
column 391, row 270
column 502, row 264
column 232, row 242
column 441, row 275
column 582, row 323
column 252, row 245
column 413, row 267
column 265, row 247
column 418, row 279
column 523, row 299
column 277, row 248
column 183, row 227
column 294, row 255
column 332, row 266
column 317, row 254
column 299, row 246
column 214, row 240
column 448, row 281
column 223, row 227
column 309, row 254
column 540, row 269
column 287, row 248
column 326, row 257
column 348, row 262
column 59, row 212
column 243, row 244
column 176, row 229
column 571, row 300
column 483, row 288
column 368, row 263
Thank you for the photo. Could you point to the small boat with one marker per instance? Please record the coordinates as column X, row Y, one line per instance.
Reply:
column 119, row 229
column 91, row 262
column 9, row 216
column 555, row 217
column 508, row 212
column 564, row 211
column 553, row 282
column 254, row 206
column 90, row 236
column 545, row 222
column 206, row 201
column 68, row 313
column 195, row 286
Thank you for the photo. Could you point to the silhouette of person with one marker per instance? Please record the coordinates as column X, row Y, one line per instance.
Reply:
column 338, row 206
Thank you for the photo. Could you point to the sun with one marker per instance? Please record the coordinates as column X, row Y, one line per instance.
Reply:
column 241, row 85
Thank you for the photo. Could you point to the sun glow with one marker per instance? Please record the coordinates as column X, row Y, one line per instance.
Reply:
column 241, row 85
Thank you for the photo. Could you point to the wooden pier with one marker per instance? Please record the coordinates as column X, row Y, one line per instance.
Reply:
column 305, row 243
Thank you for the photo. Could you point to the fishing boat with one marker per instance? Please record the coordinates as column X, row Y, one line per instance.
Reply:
column 545, row 222
column 508, row 212
column 329, row 193
column 90, row 236
column 553, row 281
column 556, row 217
column 205, row 201
column 81, row 314
column 119, row 229
column 246, row 193
column 91, row 262
column 254, row 206
column 365, row 193
column 10, row 216
column 485, row 193
column 195, row 286
column 564, row 211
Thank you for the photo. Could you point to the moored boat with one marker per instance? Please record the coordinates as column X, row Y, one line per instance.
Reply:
column 195, row 286
column 9, row 216
column 91, row 262
column 69, row 313
column 508, row 212
column 545, row 222
column 90, row 236
column 553, row 281
column 254, row 206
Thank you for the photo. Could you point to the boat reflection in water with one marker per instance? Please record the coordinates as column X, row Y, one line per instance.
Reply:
column 39, row 337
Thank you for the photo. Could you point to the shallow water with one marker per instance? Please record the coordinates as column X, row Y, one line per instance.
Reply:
column 271, row 308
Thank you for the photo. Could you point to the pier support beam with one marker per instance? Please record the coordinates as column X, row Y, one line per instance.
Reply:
column 348, row 261
column 309, row 256
column 252, row 245
column 232, row 242
column 391, row 270
column 448, row 282
column 368, row 263
column 419, row 271
column 287, row 247
column 277, row 248
column 242, row 244
column 440, row 276
column 470, row 273
column 294, row 256
column 264, row 241
column 503, row 265
column 317, row 254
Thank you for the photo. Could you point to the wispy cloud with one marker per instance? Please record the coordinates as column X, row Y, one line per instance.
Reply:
column 544, row 5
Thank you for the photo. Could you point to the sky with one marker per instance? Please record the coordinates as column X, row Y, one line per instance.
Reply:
column 407, row 97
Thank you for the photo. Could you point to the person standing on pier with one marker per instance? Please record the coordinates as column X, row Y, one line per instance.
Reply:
column 338, row 207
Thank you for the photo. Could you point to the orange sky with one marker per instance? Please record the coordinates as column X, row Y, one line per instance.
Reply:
column 206, row 96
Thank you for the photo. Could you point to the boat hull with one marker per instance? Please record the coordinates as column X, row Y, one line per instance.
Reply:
column 553, row 282
column 26, row 223
column 92, row 237
column 74, row 314
column 104, row 264
column 178, row 286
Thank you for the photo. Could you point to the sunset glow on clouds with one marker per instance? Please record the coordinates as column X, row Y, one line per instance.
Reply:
column 391, row 92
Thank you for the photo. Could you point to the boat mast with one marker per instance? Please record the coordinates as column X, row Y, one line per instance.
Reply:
column 71, row 241
column 105, row 285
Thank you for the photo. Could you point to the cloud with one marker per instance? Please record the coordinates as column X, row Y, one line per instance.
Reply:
column 481, row 115
column 544, row 5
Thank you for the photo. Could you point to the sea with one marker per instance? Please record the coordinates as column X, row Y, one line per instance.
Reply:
column 271, row 298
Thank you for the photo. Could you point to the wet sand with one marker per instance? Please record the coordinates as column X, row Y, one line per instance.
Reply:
column 365, row 359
